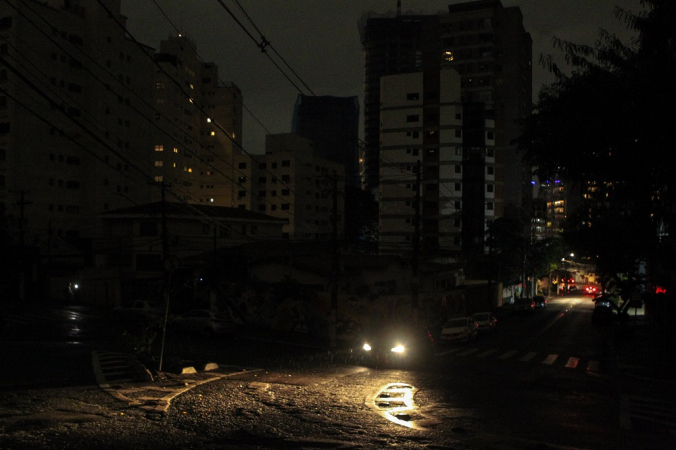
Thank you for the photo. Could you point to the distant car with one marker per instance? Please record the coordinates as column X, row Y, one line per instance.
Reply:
column 204, row 322
column 138, row 307
column 485, row 321
column 540, row 301
column 396, row 344
column 524, row 305
column 461, row 329
column 591, row 290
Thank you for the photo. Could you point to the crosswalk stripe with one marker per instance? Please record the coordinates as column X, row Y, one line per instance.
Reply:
column 528, row 356
column 486, row 353
column 508, row 354
column 593, row 366
column 468, row 352
column 572, row 363
column 550, row 359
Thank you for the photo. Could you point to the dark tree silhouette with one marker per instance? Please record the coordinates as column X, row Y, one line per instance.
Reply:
column 604, row 128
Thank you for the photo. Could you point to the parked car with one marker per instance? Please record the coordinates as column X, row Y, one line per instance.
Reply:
column 540, row 301
column 395, row 344
column 462, row 329
column 526, row 305
column 485, row 321
column 603, row 312
column 204, row 322
column 138, row 307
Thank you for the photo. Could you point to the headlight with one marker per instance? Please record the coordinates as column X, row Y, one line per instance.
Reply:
column 366, row 348
column 398, row 349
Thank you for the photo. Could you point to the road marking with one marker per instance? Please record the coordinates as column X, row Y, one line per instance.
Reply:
column 593, row 366
column 653, row 410
column 486, row 353
column 528, row 356
column 572, row 363
column 550, row 359
column 468, row 352
column 508, row 354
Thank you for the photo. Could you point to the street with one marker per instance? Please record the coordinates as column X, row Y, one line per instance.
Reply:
column 541, row 380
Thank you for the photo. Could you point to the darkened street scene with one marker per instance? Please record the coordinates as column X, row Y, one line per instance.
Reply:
column 354, row 224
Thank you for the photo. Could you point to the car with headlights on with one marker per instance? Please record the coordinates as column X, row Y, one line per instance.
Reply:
column 459, row 329
column 396, row 345
column 486, row 321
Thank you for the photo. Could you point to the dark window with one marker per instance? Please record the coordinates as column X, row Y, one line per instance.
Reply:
column 413, row 118
column 4, row 127
column 286, row 163
column 149, row 262
column 413, row 96
column 285, row 206
column 242, row 165
column 148, row 229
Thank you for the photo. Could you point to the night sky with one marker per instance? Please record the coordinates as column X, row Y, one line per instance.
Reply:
column 319, row 39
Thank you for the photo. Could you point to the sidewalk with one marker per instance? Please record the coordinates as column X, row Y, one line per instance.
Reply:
column 643, row 353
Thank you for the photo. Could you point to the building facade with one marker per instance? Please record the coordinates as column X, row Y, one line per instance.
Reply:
column 289, row 182
column 332, row 124
column 488, row 47
column 199, row 129
column 437, row 175
column 74, row 117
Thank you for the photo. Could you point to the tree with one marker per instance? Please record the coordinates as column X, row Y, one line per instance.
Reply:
column 602, row 129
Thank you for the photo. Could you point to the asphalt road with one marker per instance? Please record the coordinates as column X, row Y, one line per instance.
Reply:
column 541, row 381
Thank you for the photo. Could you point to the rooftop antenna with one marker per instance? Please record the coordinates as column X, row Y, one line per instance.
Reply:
column 398, row 8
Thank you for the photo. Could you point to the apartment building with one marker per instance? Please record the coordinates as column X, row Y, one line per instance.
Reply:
column 290, row 182
column 199, row 126
column 488, row 47
column 437, row 184
column 74, row 118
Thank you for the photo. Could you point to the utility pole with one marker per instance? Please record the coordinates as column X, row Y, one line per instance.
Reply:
column 168, row 265
column 335, row 264
column 22, row 243
column 415, row 257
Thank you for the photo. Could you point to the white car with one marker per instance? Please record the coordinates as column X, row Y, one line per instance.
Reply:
column 204, row 322
column 140, row 307
column 462, row 329
column 485, row 321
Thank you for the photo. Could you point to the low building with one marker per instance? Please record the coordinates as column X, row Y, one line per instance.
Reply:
column 136, row 244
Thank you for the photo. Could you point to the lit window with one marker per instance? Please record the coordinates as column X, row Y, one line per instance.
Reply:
column 159, row 85
column 174, row 164
column 208, row 120
column 159, row 178
column 213, row 133
column 211, row 200
column 159, row 148
column 159, row 163
column 448, row 55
